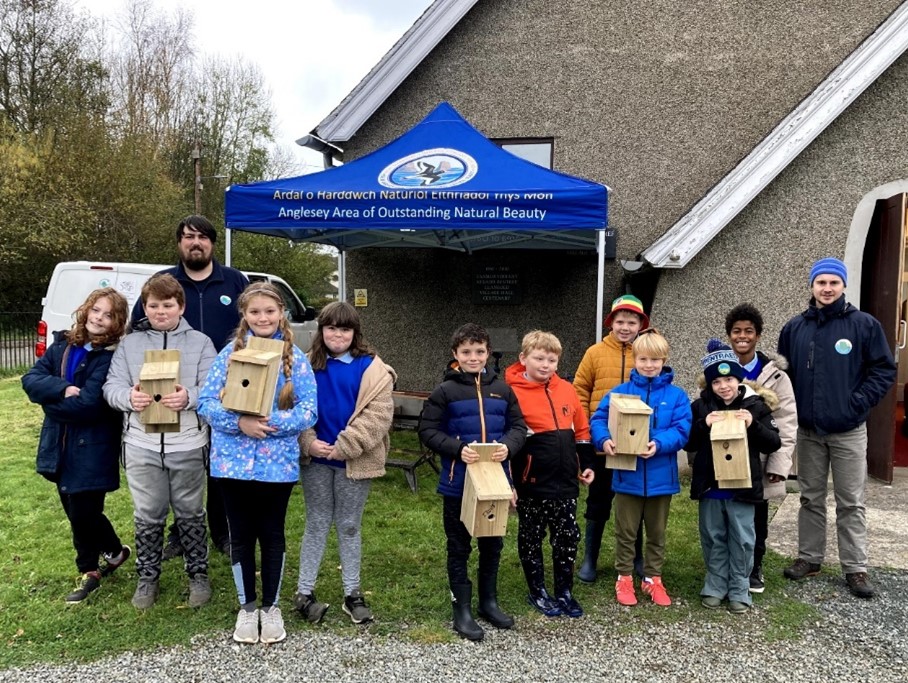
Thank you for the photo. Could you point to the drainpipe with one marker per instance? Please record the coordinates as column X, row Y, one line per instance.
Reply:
column 329, row 151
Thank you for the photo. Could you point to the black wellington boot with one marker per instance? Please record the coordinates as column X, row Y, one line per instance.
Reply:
column 464, row 624
column 592, row 541
column 488, row 607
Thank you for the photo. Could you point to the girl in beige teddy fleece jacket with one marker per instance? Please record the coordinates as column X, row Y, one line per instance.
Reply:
column 340, row 456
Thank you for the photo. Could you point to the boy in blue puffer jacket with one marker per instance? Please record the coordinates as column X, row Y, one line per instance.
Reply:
column 471, row 405
column 646, row 492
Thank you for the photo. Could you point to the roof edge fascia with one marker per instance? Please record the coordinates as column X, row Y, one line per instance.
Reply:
column 399, row 62
column 687, row 237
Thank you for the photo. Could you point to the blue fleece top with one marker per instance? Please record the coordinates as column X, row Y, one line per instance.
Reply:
column 338, row 387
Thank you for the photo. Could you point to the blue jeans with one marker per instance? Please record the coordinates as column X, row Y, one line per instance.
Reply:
column 727, row 539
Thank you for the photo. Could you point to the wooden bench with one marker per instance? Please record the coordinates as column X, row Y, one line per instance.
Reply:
column 408, row 407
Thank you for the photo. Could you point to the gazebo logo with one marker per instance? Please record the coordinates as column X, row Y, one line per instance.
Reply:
column 439, row 167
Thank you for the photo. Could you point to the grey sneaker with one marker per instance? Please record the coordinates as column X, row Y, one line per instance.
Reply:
column 711, row 602
column 199, row 590
column 272, row 625
column 310, row 607
column 88, row 583
column 146, row 594
column 736, row 607
column 247, row 627
column 355, row 605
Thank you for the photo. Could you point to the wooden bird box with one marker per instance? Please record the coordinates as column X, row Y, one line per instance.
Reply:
column 628, row 423
column 158, row 376
column 252, row 377
column 731, row 460
column 486, row 494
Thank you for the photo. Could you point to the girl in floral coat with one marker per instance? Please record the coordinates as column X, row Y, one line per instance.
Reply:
column 256, row 460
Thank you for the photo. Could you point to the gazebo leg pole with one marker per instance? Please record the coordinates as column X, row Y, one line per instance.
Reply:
column 342, row 276
column 600, row 282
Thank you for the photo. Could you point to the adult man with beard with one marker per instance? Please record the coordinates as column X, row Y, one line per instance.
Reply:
column 212, row 291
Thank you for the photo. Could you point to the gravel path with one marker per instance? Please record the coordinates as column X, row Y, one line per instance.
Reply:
column 850, row 642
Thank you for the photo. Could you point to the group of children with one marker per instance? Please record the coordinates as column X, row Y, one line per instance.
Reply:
column 329, row 428
column 550, row 432
column 89, row 386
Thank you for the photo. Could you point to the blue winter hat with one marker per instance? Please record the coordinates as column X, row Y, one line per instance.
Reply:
column 828, row 266
column 720, row 361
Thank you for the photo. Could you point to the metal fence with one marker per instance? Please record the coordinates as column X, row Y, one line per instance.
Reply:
column 18, row 334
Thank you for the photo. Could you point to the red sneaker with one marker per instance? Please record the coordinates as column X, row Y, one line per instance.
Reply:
column 624, row 590
column 653, row 587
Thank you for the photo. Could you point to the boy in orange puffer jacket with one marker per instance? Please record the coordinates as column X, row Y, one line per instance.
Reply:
column 557, row 453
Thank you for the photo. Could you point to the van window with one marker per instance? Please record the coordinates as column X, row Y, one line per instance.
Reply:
column 291, row 304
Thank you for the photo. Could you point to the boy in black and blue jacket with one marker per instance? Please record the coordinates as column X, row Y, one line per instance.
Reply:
column 471, row 405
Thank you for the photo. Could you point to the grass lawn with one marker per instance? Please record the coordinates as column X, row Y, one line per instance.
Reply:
column 403, row 569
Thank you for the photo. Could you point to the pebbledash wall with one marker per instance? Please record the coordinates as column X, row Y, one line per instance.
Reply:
column 659, row 100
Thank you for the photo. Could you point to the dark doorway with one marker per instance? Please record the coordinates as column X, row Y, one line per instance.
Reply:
column 881, row 296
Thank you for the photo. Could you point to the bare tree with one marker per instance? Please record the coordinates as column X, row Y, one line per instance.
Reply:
column 44, row 76
column 151, row 71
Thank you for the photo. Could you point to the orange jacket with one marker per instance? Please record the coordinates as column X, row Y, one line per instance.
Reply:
column 558, row 437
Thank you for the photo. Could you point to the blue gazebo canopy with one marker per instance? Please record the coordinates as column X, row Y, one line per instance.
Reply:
column 441, row 184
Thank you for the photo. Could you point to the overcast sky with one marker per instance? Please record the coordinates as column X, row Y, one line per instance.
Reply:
column 312, row 52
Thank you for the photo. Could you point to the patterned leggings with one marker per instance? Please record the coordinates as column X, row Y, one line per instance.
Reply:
column 560, row 517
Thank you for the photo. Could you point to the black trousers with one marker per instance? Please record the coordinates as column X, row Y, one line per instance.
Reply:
column 256, row 512
column 600, row 496
column 216, row 513
column 559, row 517
column 93, row 533
column 460, row 545
column 761, row 527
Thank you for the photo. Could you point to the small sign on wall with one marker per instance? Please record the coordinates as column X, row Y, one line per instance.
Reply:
column 496, row 284
column 361, row 298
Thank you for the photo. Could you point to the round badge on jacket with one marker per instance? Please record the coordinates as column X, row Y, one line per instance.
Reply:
column 844, row 346
column 225, row 299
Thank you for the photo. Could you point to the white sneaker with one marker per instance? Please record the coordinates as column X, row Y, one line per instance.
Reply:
column 272, row 625
column 247, row 627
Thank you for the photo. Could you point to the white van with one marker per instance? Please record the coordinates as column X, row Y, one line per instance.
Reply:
column 73, row 281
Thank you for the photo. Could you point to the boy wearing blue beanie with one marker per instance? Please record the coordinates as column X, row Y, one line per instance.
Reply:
column 727, row 532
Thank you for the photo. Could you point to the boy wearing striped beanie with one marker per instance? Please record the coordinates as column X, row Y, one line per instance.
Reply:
column 605, row 365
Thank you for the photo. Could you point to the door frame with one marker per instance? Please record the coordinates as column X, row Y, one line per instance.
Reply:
column 854, row 256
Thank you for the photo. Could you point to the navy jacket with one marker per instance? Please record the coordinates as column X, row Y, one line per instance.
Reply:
column 669, row 428
column 468, row 408
column 211, row 305
column 762, row 437
column 840, row 365
column 79, row 446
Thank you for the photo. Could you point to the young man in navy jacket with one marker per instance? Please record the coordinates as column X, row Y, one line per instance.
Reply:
column 841, row 366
